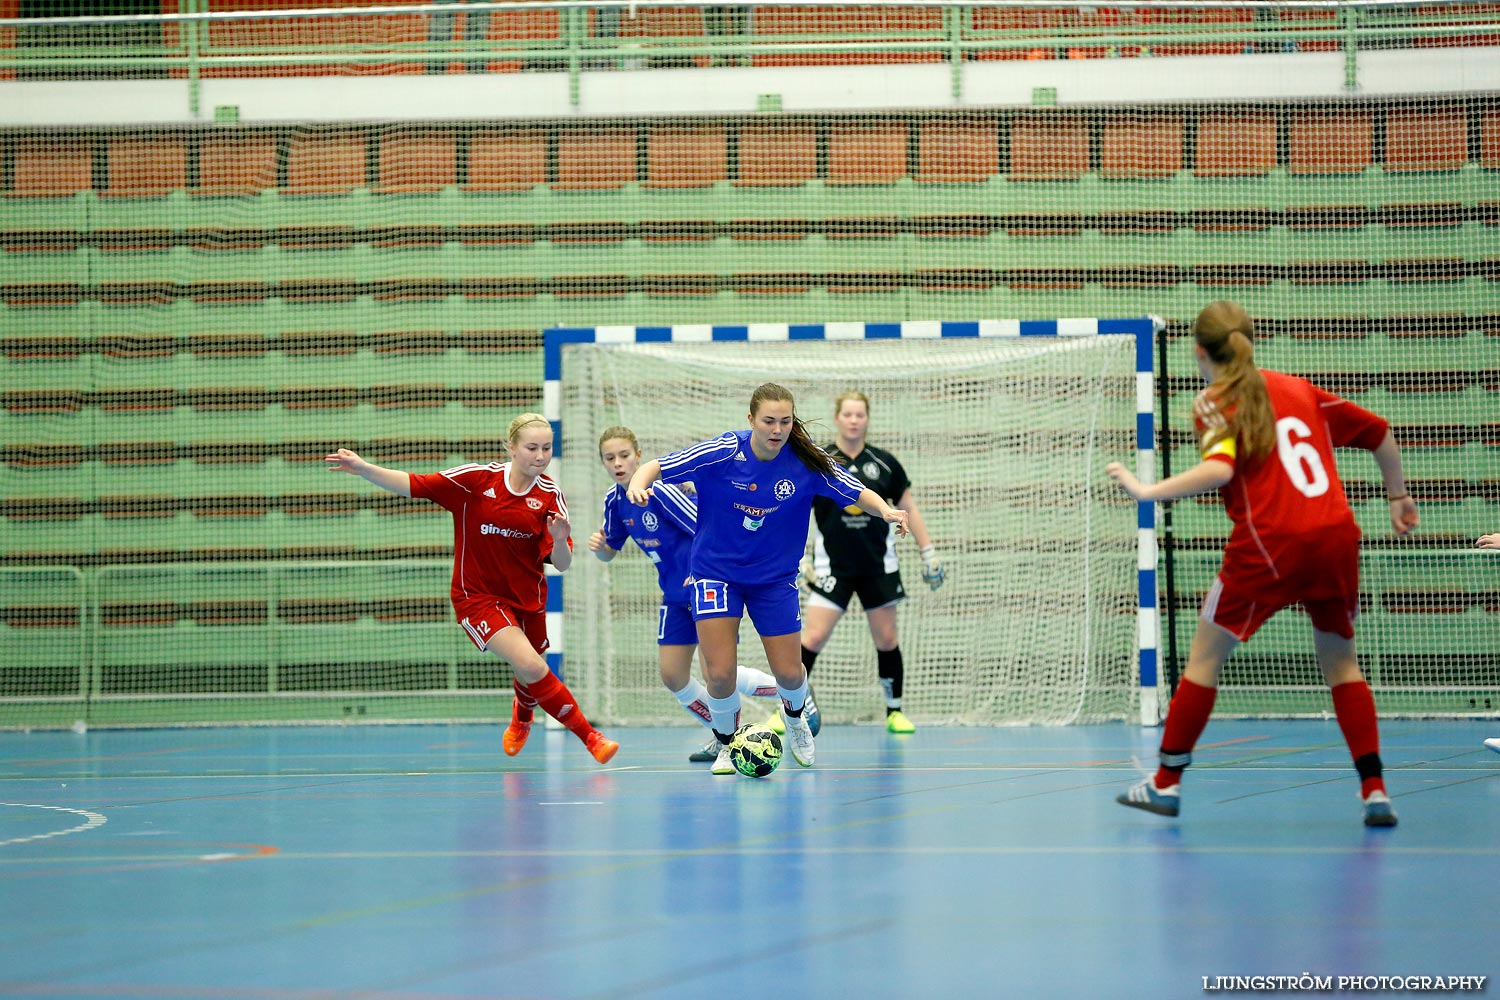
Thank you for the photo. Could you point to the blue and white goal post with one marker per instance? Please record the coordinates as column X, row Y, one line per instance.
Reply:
column 1152, row 699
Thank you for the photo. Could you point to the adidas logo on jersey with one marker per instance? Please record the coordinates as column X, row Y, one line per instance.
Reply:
column 490, row 492
column 739, row 456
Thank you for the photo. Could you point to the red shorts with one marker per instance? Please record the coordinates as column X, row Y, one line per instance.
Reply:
column 483, row 617
column 1320, row 572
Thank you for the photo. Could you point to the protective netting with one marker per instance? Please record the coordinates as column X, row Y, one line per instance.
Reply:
column 1003, row 441
column 192, row 315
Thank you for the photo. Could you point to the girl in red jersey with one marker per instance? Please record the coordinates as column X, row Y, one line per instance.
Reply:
column 1267, row 443
column 508, row 520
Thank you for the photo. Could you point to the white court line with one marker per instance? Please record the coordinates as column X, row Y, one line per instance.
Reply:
column 93, row 820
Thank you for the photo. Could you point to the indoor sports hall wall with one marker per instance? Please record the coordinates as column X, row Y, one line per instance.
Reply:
column 191, row 317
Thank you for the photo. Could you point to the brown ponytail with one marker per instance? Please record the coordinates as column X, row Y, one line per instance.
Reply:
column 1224, row 331
column 812, row 456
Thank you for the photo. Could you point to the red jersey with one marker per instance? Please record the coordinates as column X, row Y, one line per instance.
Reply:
column 1277, row 503
column 500, row 537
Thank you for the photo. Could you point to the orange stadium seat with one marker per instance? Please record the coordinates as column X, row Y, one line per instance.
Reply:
column 140, row 167
column 236, row 163
column 1141, row 145
column 777, row 154
column 913, row 22
column 523, row 26
column 1235, row 144
column 510, row 160
column 370, row 32
column 8, row 8
column 1423, row 139
column 52, row 168
column 420, row 161
column 1048, row 147
column 867, row 152
column 957, row 150
column 595, row 159
column 1489, row 138
column 331, row 162
column 686, row 156
column 1330, row 142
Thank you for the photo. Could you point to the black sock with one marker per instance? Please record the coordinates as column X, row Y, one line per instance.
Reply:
column 889, row 666
column 808, row 659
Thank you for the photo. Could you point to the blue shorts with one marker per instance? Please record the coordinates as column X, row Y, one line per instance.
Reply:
column 675, row 625
column 774, row 607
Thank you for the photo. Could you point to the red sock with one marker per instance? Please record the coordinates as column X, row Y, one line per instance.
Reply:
column 1354, row 706
column 557, row 701
column 521, row 710
column 1186, row 716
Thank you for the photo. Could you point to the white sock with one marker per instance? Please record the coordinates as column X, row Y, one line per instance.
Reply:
column 892, row 703
column 726, row 714
column 694, row 699
column 793, row 698
column 754, row 683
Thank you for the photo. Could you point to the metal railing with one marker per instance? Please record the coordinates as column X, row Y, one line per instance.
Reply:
column 607, row 35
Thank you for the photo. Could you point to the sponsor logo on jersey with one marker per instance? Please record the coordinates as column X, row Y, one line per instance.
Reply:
column 784, row 488
column 534, row 503
column 648, row 543
column 739, row 456
column 650, row 520
column 490, row 492
column 490, row 529
column 742, row 486
column 756, row 512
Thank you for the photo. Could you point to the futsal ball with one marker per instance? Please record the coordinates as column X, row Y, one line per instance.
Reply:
column 755, row 750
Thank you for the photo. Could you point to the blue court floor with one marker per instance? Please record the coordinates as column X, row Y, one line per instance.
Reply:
column 419, row 862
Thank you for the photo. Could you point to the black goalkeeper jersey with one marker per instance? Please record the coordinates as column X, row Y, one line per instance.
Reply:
column 849, row 542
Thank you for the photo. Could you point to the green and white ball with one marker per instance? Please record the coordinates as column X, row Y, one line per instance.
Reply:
column 755, row 750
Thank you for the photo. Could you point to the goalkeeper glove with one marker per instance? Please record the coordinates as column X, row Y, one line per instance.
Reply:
column 932, row 567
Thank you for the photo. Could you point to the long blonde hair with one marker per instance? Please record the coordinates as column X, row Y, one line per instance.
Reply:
column 812, row 456
column 1225, row 331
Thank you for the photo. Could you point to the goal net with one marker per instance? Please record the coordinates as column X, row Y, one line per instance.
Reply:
column 1003, row 440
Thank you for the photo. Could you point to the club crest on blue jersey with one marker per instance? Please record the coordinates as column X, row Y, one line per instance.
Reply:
column 784, row 488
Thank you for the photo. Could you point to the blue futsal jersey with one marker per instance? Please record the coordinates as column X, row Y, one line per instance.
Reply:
column 752, row 515
column 663, row 529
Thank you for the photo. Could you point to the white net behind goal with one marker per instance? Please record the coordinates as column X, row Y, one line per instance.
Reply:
column 1004, row 442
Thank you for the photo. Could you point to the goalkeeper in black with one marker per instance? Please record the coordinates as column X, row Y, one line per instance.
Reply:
column 855, row 554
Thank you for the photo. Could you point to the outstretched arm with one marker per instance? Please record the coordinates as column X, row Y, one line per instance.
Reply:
column 601, row 548
column 558, row 526
column 639, row 490
column 1204, row 477
column 1403, row 507
column 392, row 480
column 872, row 503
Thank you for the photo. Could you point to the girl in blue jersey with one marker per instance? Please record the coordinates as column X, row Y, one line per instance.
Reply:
column 755, row 492
column 664, row 532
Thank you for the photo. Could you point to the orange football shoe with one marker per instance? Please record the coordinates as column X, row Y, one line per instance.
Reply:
column 515, row 733
column 603, row 749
